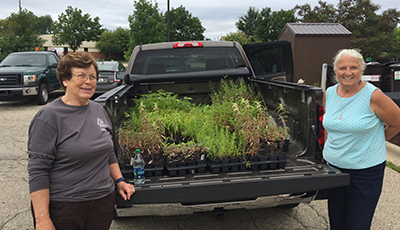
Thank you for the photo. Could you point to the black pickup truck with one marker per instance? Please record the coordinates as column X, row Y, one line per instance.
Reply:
column 192, row 69
column 28, row 74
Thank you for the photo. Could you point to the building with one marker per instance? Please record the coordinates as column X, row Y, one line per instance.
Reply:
column 314, row 44
column 64, row 49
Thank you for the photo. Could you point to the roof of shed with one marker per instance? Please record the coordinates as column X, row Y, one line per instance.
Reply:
column 316, row 29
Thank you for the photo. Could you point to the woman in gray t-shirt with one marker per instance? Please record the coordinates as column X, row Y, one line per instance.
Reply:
column 72, row 166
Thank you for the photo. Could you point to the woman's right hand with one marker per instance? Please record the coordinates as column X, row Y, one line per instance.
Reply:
column 45, row 224
column 40, row 201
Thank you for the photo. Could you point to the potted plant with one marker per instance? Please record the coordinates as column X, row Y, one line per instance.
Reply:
column 184, row 157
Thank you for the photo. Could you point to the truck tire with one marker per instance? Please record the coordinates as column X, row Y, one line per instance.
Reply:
column 43, row 94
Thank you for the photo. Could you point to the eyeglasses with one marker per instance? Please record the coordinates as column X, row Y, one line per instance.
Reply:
column 85, row 77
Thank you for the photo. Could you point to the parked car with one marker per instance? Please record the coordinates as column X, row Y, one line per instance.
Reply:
column 28, row 75
column 111, row 74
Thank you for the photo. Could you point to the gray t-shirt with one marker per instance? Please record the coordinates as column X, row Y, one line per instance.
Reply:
column 70, row 149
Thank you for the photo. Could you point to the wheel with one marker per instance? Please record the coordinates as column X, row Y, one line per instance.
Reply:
column 43, row 94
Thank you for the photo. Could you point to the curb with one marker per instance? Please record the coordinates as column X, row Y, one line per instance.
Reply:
column 393, row 153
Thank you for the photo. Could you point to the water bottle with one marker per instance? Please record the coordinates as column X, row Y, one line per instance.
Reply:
column 138, row 167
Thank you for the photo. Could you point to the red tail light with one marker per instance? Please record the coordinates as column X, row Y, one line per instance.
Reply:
column 321, row 130
column 188, row 44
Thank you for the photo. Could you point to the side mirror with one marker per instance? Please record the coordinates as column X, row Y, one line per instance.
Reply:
column 53, row 66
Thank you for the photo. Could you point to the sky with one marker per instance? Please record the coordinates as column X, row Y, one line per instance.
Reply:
column 217, row 16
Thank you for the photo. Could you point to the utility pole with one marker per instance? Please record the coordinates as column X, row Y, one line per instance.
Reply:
column 167, row 20
column 20, row 6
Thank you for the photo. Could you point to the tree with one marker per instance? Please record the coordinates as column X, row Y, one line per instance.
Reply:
column 116, row 41
column 249, row 23
column 147, row 25
column 44, row 24
column 184, row 26
column 240, row 37
column 323, row 13
column 73, row 28
column 271, row 24
column 264, row 25
column 368, row 28
column 396, row 33
column 18, row 32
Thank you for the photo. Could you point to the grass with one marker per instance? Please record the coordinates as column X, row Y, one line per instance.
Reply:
column 392, row 166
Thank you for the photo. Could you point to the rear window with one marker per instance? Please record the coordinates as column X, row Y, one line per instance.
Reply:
column 105, row 67
column 186, row 60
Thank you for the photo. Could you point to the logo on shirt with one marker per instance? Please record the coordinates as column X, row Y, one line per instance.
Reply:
column 102, row 125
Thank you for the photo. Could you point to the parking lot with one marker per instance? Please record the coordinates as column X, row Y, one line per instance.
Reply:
column 15, row 201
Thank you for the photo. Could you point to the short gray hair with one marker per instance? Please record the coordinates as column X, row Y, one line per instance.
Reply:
column 349, row 53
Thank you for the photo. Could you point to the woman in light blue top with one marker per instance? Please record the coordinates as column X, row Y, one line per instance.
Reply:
column 358, row 119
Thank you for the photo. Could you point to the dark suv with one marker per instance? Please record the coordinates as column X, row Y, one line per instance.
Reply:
column 28, row 74
column 111, row 74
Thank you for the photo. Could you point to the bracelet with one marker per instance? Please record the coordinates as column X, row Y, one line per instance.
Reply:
column 119, row 180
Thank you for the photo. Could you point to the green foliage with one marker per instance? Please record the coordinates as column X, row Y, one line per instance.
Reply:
column 19, row 32
column 272, row 23
column 184, row 27
column 240, row 37
column 392, row 166
column 368, row 28
column 116, row 41
column 183, row 150
column 141, row 131
column 396, row 34
column 73, row 28
column 264, row 25
column 147, row 25
column 44, row 24
column 323, row 13
column 237, row 108
column 249, row 23
column 235, row 124
column 162, row 100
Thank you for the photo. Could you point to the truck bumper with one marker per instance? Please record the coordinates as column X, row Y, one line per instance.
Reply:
column 179, row 209
column 12, row 93
column 256, row 189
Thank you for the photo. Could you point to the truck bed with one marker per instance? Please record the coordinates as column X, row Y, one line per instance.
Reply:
column 298, row 181
column 248, row 189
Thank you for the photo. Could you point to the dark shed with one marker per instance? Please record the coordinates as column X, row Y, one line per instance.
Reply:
column 314, row 44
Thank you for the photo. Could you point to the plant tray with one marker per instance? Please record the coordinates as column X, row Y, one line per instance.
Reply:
column 233, row 165
column 268, row 162
column 182, row 168
column 154, row 169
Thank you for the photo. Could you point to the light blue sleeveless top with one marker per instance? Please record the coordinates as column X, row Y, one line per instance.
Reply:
column 356, row 137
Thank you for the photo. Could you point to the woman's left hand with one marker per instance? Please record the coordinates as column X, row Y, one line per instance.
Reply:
column 125, row 190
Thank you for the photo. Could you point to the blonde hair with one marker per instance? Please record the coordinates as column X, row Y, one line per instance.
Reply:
column 349, row 53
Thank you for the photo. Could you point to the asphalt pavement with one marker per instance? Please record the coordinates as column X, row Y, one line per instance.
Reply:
column 15, row 201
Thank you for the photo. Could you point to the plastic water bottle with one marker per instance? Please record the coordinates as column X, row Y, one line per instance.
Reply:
column 138, row 167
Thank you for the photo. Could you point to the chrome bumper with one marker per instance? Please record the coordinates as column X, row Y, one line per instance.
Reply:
column 29, row 91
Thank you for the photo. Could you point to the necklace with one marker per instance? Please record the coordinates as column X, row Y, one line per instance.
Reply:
column 348, row 94
column 341, row 109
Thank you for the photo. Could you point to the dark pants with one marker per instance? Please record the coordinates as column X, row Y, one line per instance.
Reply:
column 87, row 215
column 352, row 207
